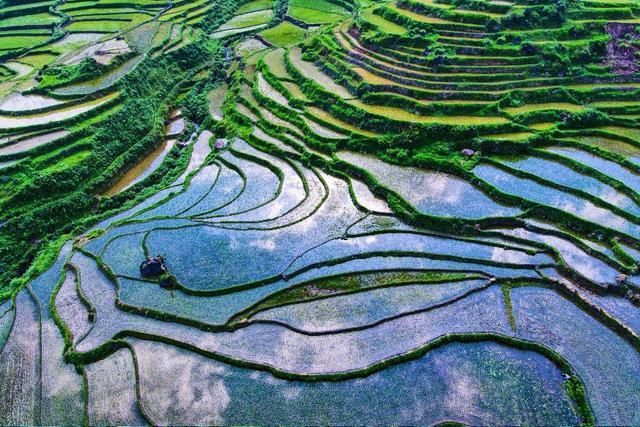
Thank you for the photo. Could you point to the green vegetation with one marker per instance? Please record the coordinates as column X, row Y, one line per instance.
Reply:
column 348, row 284
column 54, row 199
column 286, row 200
column 254, row 6
column 284, row 34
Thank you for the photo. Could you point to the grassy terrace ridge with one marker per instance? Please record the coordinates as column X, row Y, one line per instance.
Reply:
column 281, row 211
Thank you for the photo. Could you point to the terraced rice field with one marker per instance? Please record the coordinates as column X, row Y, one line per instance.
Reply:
column 345, row 212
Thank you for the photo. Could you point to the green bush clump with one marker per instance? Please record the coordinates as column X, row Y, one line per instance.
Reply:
column 589, row 117
column 223, row 11
column 47, row 205
column 550, row 15
column 575, row 389
column 85, row 70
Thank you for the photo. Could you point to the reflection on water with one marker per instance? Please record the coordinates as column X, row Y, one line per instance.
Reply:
column 33, row 142
column 481, row 383
column 142, row 169
column 590, row 267
column 560, row 174
column 7, row 164
column 19, row 102
column 605, row 166
column 615, row 145
column 432, row 193
column 175, row 127
column 544, row 195
column 7, row 122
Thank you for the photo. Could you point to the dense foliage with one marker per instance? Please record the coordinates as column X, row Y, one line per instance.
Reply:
column 51, row 204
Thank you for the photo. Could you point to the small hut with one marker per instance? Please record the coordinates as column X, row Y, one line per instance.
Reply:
column 220, row 144
column 153, row 266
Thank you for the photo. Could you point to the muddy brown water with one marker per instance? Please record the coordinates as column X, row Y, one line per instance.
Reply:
column 143, row 169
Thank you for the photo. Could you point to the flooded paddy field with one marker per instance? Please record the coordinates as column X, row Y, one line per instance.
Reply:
column 335, row 212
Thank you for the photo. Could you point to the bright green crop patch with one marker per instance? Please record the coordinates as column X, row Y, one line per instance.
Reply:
column 284, row 34
column 248, row 20
column 313, row 16
column 33, row 19
column 13, row 42
column 106, row 26
column 384, row 25
column 67, row 162
column 255, row 5
column 544, row 106
column 319, row 5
